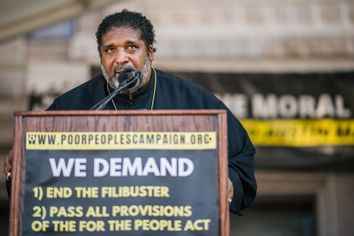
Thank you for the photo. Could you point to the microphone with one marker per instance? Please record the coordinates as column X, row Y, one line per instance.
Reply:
column 130, row 79
column 129, row 82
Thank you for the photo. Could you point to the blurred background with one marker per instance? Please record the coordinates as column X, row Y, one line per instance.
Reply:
column 284, row 67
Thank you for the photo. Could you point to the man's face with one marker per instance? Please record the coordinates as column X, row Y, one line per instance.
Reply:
column 123, row 47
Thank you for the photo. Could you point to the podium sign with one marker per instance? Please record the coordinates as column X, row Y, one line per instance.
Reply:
column 113, row 172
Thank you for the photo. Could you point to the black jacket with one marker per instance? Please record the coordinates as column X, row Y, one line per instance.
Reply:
column 175, row 93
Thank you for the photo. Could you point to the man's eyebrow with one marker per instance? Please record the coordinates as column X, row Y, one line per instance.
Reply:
column 108, row 46
column 128, row 42
column 131, row 42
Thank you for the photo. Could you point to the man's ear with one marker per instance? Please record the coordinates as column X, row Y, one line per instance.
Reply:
column 151, row 52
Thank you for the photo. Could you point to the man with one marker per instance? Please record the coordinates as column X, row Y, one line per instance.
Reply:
column 126, row 39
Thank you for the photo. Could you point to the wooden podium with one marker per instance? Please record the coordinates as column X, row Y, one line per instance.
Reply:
column 127, row 172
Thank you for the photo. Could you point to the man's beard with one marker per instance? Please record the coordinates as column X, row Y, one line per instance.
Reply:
column 113, row 81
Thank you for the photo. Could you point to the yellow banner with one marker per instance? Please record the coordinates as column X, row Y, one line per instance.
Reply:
column 300, row 133
column 120, row 140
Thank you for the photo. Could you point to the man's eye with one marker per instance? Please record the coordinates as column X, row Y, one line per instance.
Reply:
column 132, row 47
column 109, row 50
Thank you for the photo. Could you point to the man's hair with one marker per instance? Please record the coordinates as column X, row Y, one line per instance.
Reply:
column 130, row 19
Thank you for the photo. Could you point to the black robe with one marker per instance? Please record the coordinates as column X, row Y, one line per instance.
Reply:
column 175, row 93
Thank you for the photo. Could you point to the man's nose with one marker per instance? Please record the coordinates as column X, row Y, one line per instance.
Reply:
column 121, row 57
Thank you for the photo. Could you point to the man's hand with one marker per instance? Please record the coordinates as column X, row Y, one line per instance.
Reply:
column 8, row 164
column 230, row 191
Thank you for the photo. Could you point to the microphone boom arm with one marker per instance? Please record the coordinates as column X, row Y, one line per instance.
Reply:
column 103, row 103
